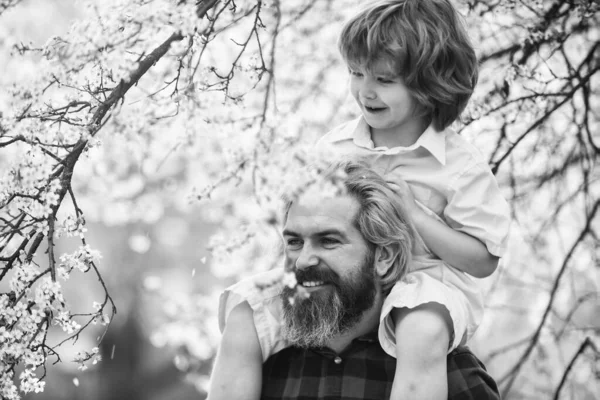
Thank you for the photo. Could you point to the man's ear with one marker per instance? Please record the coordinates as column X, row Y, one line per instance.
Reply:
column 385, row 257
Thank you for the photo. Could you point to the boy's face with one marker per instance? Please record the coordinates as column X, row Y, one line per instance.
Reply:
column 384, row 100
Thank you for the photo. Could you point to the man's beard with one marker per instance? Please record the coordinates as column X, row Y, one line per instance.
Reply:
column 329, row 312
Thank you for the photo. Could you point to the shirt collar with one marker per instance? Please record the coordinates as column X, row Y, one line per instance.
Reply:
column 369, row 337
column 358, row 130
column 435, row 142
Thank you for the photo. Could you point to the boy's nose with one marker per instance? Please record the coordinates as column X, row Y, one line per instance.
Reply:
column 367, row 92
column 369, row 95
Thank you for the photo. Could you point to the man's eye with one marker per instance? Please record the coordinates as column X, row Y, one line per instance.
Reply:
column 293, row 243
column 329, row 241
column 356, row 73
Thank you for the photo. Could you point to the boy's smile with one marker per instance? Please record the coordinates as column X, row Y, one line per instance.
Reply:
column 387, row 105
column 374, row 110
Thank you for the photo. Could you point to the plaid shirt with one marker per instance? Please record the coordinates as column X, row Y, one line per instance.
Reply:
column 362, row 371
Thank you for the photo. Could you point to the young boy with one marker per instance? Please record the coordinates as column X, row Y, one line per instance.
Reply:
column 412, row 70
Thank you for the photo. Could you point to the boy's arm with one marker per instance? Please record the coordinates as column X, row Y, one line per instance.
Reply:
column 456, row 248
column 237, row 373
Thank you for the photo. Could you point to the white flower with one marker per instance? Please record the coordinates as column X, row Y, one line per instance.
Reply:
column 289, row 279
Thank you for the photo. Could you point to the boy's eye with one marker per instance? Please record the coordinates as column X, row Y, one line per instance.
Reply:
column 356, row 73
column 385, row 80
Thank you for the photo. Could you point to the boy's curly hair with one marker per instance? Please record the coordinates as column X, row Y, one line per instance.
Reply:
column 427, row 44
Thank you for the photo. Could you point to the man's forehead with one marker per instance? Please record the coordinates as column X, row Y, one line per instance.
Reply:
column 310, row 213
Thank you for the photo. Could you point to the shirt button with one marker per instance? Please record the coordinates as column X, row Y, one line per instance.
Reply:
column 337, row 360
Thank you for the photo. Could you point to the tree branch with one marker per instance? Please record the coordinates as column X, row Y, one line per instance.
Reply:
column 123, row 86
column 512, row 374
column 586, row 343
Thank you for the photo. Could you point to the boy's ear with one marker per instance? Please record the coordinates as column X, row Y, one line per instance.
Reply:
column 385, row 257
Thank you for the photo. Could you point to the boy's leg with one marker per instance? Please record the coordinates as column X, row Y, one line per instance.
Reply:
column 422, row 340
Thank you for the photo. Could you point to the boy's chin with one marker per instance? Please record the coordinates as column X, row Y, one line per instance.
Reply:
column 373, row 119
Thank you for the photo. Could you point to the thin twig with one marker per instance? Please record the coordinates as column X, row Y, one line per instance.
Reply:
column 586, row 343
column 514, row 371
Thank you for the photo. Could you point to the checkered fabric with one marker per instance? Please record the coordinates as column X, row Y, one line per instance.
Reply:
column 363, row 371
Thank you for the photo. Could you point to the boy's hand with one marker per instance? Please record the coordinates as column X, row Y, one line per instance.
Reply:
column 456, row 248
column 402, row 190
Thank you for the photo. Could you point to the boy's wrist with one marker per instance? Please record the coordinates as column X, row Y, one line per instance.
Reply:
column 418, row 216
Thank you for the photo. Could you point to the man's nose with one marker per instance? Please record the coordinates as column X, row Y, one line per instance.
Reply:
column 307, row 258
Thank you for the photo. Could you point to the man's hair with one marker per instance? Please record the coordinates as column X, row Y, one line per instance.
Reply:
column 428, row 46
column 381, row 218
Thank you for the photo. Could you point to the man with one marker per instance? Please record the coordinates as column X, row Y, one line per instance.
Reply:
column 346, row 252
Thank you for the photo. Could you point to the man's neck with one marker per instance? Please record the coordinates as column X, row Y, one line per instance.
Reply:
column 368, row 322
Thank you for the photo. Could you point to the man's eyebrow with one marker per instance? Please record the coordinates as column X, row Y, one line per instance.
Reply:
column 287, row 232
column 332, row 231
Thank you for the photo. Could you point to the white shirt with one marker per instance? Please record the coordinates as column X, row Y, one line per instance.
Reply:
column 448, row 176
column 445, row 173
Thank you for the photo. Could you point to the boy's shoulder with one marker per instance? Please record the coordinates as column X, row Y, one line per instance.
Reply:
column 460, row 149
column 341, row 132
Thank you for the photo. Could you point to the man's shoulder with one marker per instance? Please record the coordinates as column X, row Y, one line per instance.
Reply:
column 462, row 356
column 468, row 378
column 261, row 291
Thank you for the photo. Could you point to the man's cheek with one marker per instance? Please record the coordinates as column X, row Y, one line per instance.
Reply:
column 289, row 262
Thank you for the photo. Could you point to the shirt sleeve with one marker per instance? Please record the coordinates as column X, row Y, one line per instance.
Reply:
column 261, row 291
column 476, row 207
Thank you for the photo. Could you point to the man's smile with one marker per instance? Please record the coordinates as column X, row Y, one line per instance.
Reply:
column 314, row 279
column 312, row 283
column 313, row 286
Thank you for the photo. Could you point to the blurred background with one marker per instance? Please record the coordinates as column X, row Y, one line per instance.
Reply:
column 177, row 187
